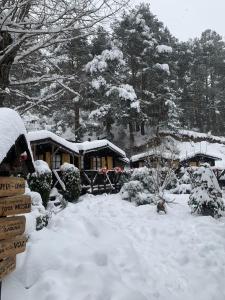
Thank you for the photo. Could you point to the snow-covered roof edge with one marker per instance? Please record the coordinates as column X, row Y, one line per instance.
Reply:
column 94, row 145
column 75, row 147
column 45, row 134
column 168, row 155
column 194, row 135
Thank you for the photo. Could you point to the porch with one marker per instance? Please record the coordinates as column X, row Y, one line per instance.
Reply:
column 94, row 181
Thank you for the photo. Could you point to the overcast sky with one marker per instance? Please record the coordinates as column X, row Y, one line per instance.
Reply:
column 189, row 18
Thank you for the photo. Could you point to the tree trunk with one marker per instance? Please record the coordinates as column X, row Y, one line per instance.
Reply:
column 5, row 65
column 131, row 130
column 76, row 120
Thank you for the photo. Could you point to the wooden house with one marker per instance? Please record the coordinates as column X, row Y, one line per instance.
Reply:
column 99, row 161
column 15, row 152
column 53, row 149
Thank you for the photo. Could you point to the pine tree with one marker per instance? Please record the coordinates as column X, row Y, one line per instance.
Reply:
column 147, row 47
column 114, row 100
column 206, row 195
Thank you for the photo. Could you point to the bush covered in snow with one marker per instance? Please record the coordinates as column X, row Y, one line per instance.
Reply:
column 135, row 192
column 140, row 188
column 145, row 176
column 125, row 177
column 38, row 218
column 71, row 178
column 41, row 180
column 182, row 188
column 206, row 196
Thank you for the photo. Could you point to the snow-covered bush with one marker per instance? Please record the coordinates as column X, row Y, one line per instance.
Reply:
column 152, row 184
column 172, row 181
column 125, row 177
column 38, row 213
column 134, row 191
column 56, row 200
column 140, row 188
column 186, row 178
column 184, row 183
column 42, row 221
column 182, row 188
column 206, row 196
column 145, row 176
column 71, row 179
column 40, row 181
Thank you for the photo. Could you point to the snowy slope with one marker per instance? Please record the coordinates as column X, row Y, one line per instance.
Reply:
column 106, row 249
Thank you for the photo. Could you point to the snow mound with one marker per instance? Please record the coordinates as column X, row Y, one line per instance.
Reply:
column 41, row 167
column 11, row 127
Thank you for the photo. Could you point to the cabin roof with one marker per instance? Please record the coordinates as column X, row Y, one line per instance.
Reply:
column 86, row 147
column 11, row 129
column 100, row 144
column 41, row 135
column 151, row 153
column 194, row 135
column 185, row 151
column 200, row 154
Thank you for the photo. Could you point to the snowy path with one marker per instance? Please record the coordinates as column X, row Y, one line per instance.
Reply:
column 107, row 249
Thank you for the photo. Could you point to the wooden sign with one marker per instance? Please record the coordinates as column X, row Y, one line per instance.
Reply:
column 12, row 226
column 10, row 186
column 15, row 205
column 11, row 247
column 7, row 266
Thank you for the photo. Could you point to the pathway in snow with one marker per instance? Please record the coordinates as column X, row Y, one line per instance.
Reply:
column 106, row 249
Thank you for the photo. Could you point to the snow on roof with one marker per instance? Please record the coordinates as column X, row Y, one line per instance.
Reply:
column 197, row 135
column 153, row 152
column 75, row 147
column 93, row 145
column 45, row 134
column 11, row 127
column 186, row 150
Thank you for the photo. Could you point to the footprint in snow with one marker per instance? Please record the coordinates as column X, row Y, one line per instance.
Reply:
column 101, row 259
column 91, row 229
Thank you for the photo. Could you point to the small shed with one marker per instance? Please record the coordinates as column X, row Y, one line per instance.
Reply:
column 196, row 159
column 177, row 161
column 53, row 149
column 15, row 152
column 153, row 159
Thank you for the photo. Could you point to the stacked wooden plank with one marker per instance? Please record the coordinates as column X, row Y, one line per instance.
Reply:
column 13, row 202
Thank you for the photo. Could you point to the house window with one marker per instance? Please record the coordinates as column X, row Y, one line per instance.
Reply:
column 99, row 165
column 56, row 161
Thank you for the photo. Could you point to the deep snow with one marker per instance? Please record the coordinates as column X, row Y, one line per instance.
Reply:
column 107, row 249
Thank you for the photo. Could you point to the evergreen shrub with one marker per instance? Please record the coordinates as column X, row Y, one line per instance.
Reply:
column 40, row 181
column 71, row 179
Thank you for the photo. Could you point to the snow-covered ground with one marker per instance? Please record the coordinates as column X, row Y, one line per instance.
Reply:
column 107, row 249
